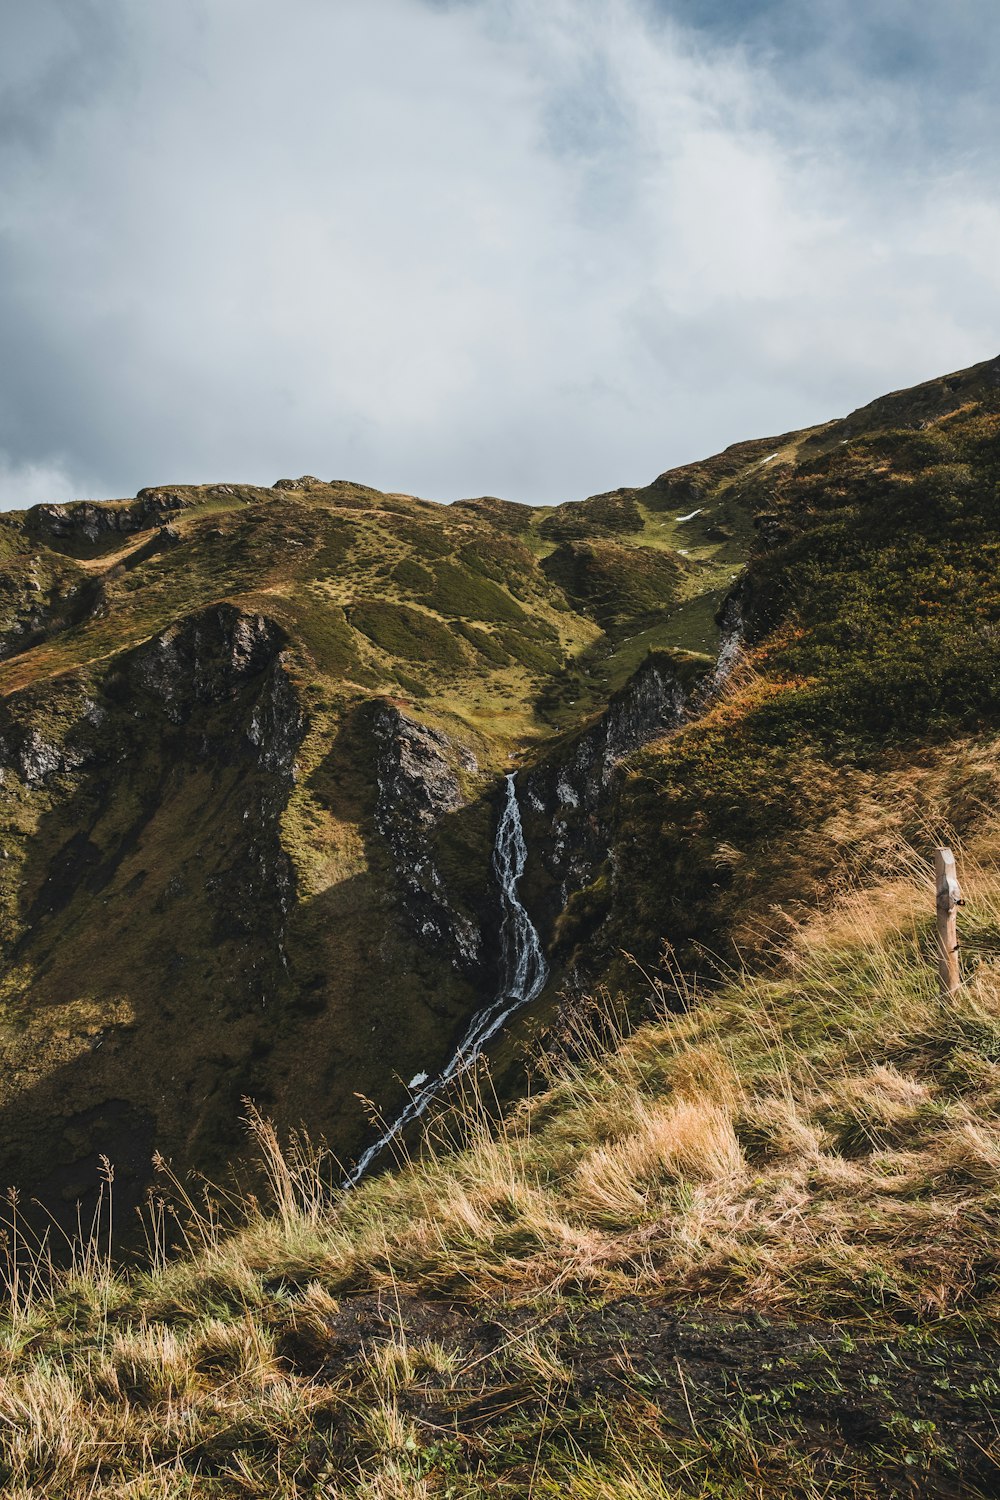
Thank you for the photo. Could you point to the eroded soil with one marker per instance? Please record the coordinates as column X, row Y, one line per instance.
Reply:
column 866, row 1412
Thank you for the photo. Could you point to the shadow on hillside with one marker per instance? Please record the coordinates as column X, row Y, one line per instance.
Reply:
column 164, row 982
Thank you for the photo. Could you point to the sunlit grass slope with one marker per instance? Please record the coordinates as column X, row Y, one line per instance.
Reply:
column 745, row 1250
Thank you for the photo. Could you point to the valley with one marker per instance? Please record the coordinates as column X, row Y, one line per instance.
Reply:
column 254, row 746
column 494, row 948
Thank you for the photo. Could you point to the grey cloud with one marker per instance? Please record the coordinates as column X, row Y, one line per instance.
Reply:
column 55, row 54
column 475, row 247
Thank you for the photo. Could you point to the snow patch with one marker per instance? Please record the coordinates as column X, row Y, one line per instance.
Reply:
column 690, row 516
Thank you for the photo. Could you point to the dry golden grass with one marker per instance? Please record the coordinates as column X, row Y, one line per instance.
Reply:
column 821, row 1142
column 747, row 1150
column 691, row 1140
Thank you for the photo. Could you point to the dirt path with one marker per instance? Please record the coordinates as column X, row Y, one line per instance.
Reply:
column 861, row 1412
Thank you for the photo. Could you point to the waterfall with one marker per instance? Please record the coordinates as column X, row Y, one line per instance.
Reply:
column 524, row 969
column 522, row 976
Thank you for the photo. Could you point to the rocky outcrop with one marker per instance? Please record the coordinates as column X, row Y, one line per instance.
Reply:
column 209, row 658
column 205, row 660
column 570, row 795
column 88, row 523
column 733, row 618
column 749, row 612
column 153, row 867
column 39, row 597
column 417, row 785
column 36, row 757
column 221, row 657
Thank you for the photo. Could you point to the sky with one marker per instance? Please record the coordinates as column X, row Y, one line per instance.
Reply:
column 464, row 247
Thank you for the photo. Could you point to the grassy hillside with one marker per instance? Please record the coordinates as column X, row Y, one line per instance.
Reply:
column 197, row 895
column 739, row 1240
column 868, row 615
column 200, row 897
column 746, row 1251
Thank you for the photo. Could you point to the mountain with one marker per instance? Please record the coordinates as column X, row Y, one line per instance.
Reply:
column 254, row 742
column 302, row 786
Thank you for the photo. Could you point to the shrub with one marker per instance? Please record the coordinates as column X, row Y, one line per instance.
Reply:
column 402, row 631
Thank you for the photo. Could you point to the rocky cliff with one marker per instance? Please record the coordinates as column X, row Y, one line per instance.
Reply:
column 253, row 741
column 417, row 776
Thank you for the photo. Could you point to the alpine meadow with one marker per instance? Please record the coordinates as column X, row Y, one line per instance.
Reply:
column 470, row 1016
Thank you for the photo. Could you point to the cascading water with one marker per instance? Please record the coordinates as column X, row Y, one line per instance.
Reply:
column 524, row 968
column 523, row 975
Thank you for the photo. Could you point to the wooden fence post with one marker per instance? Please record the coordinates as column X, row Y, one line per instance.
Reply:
column 949, row 899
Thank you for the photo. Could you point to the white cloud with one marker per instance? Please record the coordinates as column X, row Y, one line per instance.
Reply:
column 529, row 250
column 22, row 485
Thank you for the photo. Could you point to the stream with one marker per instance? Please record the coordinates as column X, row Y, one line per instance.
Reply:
column 523, row 974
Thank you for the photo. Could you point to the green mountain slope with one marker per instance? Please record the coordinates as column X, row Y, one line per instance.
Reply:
column 739, row 1237
column 218, row 791
column 252, row 743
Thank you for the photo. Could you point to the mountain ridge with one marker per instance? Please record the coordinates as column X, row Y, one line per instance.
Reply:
column 199, row 889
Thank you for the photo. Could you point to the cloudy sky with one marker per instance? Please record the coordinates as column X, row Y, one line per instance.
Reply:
column 459, row 247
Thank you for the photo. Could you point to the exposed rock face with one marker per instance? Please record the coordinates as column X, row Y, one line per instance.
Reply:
column 208, row 658
column 573, row 793
column 205, row 660
column 305, row 482
column 37, row 603
column 417, row 785
column 732, row 620
column 89, row 523
column 208, row 661
column 747, row 613
column 35, row 757
column 164, row 781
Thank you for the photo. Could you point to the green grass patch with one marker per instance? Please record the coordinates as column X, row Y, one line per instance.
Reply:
column 410, row 633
